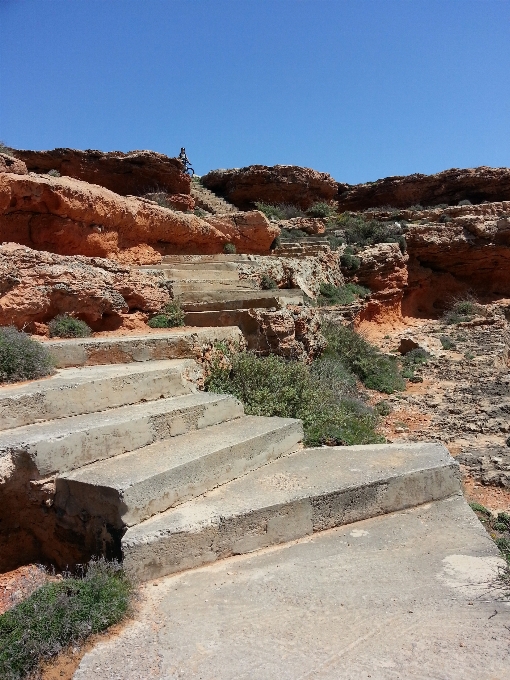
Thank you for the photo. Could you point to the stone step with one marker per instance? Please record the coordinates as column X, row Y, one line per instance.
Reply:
column 168, row 259
column 130, row 488
column 174, row 343
column 75, row 391
column 193, row 266
column 203, row 275
column 298, row 495
column 181, row 287
column 68, row 443
column 240, row 300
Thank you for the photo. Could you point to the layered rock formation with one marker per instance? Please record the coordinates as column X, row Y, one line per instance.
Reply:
column 272, row 184
column 135, row 172
column 36, row 286
column 450, row 187
column 11, row 164
column 71, row 217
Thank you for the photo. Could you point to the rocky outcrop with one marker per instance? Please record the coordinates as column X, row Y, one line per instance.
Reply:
column 71, row 217
column 310, row 225
column 183, row 202
column 36, row 286
column 275, row 184
column 306, row 273
column 449, row 187
column 135, row 172
column 11, row 164
column 293, row 332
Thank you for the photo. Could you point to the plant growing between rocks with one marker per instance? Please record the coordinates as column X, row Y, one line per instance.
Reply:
column 281, row 211
column 462, row 310
column 53, row 173
column 66, row 326
column 22, row 358
column 340, row 295
column 267, row 283
column 229, row 249
column 320, row 209
column 170, row 317
column 498, row 528
column 61, row 613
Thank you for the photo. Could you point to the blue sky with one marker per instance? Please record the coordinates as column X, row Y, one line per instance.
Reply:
column 361, row 89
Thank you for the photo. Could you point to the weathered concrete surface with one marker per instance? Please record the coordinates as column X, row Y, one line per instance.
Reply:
column 68, row 443
column 131, row 487
column 175, row 343
column 403, row 596
column 73, row 391
column 306, row 492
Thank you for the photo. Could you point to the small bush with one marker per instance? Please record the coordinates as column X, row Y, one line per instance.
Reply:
column 447, row 343
column 281, row 211
column 383, row 408
column 464, row 202
column 22, row 358
column 293, row 234
column 444, row 219
column 272, row 386
column 320, row 209
column 478, row 507
column 53, row 173
column 170, row 317
column 229, row 249
column 199, row 212
column 267, row 283
column 340, row 295
column 6, row 149
column 462, row 309
column 61, row 613
column 375, row 370
column 160, row 197
column 349, row 261
column 65, row 326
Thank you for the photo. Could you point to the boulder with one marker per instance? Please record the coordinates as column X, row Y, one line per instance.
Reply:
column 450, row 187
column 13, row 165
column 310, row 225
column 134, row 172
column 275, row 184
column 36, row 286
column 293, row 332
column 71, row 217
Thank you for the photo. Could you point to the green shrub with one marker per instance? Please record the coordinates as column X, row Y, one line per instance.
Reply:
column 465, row 202
column 340, row 295
column 478, row 507
column 375, row 370
column 53, row 173
column 320, row 209
column 60, row 613
column 272, row 386
column 383, row 408
column 462, row 309
column 281, row 211
column 267, row 283
column 22, row 358
column 447, row 343
column 293, row 234
column 229, row 249
column 199, row 212
column 367, row 232
column 349, row 261
column 170, row 317
column 444, row 219
column 65, row 326
column 416, row 357
column 6, row 149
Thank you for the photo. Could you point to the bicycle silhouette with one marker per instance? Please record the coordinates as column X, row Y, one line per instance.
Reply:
column 186, row 165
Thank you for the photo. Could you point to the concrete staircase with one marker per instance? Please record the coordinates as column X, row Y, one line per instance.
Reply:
column 304, row 247
column 211, row 292
column 209, row 201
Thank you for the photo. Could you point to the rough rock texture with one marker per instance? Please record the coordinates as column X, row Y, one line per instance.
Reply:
column 11, row 164
column 71, row 217
column 450, row 187
column 182, row 202
column 272, row 184
column 310, row 225
column 36, row 286
column 293, row 332
column 135, row 172
column 306, row 273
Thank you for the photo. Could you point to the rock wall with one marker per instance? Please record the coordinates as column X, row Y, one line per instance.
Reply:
column 272, row 184
column 135, row 172
column 450, row 187
column 71, row 217
column 36, row 286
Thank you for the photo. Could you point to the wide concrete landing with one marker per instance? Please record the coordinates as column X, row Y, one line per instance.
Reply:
column 407, row 595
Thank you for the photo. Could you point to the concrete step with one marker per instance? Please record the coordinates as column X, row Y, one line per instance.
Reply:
column 75, row 391
column 191, row 274
column 168, row 259
column 174, row 343
column 181, row 287
column 219, row 301
column 68, row 443
column 308, row 491
column 194, row 266
column 129, row 488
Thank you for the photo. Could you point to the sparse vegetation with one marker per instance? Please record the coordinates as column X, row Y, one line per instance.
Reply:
column 444, row 219
column 199, row 212
column 170, row 317
column 22, row 358
column 6, row 149
column 267, row 283
column 293, row 234
column 361, row 231
column 375, row 370
column 447, row 343
column 340, row 295
column 320, row 209
column 321, row 395
column 499, row 529
column 66, row 326
column 349, row 260
column 281, row 211
column 60, row 613
column 229, row 249
column 465, row 202
column 53, row 173
column 160, row 197
column 413, row 360
column 462, row 309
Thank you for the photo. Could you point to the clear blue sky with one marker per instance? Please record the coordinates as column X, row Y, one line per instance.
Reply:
column 361, row 89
